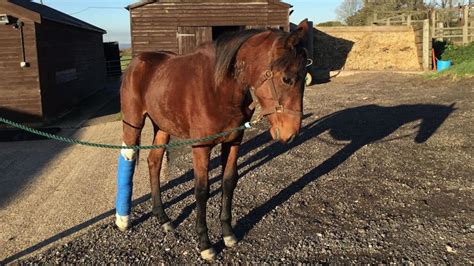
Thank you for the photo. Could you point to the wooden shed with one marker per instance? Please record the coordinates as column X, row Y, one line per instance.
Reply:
column 48, row 60
column 182, row 25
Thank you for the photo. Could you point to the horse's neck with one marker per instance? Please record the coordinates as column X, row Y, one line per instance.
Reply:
column 231, row 92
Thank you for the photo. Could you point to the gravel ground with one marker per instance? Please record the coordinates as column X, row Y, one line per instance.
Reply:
column 381, row 172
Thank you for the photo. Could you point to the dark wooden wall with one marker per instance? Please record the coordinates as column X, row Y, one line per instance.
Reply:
column 72, row 65
column 167, row 24
column 19, row 87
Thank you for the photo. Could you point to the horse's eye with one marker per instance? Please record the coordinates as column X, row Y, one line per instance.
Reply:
column 287, row 80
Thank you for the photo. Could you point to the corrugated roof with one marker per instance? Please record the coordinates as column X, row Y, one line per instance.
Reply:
column 52, row 14
column 145, row 2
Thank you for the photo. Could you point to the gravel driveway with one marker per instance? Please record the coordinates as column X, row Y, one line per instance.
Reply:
column 381, row 172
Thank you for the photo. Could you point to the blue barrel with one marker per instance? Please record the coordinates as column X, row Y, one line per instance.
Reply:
column 442, row 65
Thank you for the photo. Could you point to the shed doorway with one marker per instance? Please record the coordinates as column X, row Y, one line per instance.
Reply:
column 218, row 31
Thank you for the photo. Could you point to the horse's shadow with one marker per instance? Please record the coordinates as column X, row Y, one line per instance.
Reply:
column 358, row 126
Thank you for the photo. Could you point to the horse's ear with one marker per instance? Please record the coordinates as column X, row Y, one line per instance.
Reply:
column 298, row 35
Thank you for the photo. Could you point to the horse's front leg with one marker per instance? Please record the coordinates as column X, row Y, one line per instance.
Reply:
column 201, row 189
column 229, row 157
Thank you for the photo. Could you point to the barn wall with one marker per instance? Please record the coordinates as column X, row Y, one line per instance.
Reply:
column 72, row 65
column 366, row 48
column 155, row 26
column 19, row 87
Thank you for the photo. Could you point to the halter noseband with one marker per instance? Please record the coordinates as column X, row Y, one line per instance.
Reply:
column 277, row 107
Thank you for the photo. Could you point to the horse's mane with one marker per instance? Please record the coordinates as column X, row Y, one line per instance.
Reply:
column 226, row 47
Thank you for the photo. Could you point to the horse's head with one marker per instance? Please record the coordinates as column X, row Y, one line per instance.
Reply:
column 275, row 66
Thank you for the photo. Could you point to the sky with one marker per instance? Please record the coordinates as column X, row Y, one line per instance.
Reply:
column 111, row 15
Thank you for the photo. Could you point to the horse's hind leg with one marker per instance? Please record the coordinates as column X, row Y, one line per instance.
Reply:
column 155, row 160
column 126, row 168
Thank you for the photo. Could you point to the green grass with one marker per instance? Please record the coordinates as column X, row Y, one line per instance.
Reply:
column 118, row 116
column 462, row 70
column 458, row 71
column 462, row 57
column 125, row 61
column 458, row 53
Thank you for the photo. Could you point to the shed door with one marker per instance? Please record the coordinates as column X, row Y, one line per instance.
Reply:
column 189, row 38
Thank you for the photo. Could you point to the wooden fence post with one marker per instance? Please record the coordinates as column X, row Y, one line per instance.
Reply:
column 439, row 32
column 472, row 31
column 426, row 45
column 465, row 29
column 433, row 22
column 409, row 20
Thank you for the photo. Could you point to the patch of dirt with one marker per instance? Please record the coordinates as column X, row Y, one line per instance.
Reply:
column 382, row 172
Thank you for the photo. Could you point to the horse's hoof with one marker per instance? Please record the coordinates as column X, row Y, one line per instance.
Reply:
column 167, row 227
column 230, row 241
column 209, row 254
column 122, row 222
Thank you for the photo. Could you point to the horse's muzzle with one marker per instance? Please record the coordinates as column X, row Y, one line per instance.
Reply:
column 283, row 137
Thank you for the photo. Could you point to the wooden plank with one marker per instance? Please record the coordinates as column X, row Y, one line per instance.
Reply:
column 21, row 80
column 465, row 30
column 427, row 45
column 24, row 90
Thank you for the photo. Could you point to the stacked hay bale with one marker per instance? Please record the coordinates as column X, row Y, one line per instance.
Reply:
column 365, row 48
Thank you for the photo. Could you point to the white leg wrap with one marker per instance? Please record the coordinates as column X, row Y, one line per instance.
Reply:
column 122, row 222
column 208, row 254
column 128, row 154
column 230, row 241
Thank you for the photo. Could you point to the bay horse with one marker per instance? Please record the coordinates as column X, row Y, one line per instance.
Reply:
column 203, row 93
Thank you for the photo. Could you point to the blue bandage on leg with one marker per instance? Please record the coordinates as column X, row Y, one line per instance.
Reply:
column 125, row 172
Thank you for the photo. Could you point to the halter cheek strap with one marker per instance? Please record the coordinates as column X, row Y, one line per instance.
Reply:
column 277, row 106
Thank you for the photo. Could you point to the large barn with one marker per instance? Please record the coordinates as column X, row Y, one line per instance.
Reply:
column 182, row 25
column 48, row 60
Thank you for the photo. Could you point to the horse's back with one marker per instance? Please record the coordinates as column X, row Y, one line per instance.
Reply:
column 136, row 82
column 146, row 63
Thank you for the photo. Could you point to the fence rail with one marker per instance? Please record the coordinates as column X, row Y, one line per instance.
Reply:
column 451, row 24
column 408, row 18
column 116, row 67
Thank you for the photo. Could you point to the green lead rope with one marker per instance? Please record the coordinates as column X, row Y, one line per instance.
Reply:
column 171, row 145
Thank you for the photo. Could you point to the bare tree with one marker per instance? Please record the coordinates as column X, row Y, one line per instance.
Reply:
column 447, row 3
column 348, row 8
